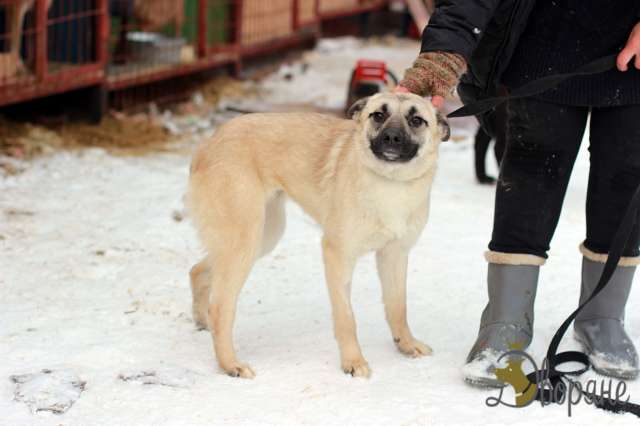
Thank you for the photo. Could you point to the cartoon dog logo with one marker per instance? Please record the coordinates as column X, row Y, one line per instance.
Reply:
column 513, row 375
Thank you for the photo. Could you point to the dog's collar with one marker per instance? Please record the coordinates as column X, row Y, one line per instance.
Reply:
column 525, row 390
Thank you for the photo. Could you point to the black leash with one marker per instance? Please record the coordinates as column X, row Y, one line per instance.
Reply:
column 552, row 383
column 536, row 87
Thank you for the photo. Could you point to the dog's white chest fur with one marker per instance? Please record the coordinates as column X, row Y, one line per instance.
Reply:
column 393, row 211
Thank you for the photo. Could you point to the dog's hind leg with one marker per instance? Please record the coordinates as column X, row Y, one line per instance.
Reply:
column 230, row 220
column 392, row 268
column 230, row 267
column 200, row 281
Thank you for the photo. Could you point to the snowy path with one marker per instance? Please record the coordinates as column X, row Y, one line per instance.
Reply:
column 94, row 282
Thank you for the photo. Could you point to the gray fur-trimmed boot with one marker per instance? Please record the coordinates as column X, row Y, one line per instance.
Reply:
column 507, row 320
column 600, row 326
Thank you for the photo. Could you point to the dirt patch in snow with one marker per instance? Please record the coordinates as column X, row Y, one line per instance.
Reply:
column 220, row 88
column 134, row 133
column 122, row 133
column 25, row 140
column 117, row 132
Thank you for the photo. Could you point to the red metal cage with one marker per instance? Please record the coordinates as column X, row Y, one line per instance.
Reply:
column 50, row 46
column 54, row 46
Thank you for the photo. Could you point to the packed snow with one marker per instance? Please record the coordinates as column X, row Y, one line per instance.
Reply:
column 95, row 251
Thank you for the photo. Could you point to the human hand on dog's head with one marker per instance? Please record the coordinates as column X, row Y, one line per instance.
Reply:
column 401, row 89
column 434, row 74
column 437, row 101
column 631, row 49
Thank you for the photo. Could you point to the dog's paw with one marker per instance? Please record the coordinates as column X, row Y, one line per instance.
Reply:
column 486, row 180
column 239, row 370
column 413, row 348
column 201, row 324
column 357, row 368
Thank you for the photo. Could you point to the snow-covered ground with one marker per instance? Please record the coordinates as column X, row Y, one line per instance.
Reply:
column 94, row 261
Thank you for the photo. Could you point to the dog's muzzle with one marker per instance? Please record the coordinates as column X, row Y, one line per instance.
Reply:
column 393, row 145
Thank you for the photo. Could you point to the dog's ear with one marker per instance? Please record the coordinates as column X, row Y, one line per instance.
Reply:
column 357, row 107
column 443, row 124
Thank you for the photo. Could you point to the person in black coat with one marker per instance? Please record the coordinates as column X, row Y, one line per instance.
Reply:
column 486, row 45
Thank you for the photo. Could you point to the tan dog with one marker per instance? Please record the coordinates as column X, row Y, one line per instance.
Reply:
column 366, row 181
column 152, row 15
column 12, row 63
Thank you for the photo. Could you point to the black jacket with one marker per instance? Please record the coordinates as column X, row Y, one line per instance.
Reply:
column 488, row 32
column 485, row 32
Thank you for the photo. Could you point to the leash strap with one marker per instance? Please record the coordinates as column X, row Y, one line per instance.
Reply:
column 536, row 87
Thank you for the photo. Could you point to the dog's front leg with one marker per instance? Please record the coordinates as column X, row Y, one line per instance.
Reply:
column 392, row 268
column 339, row 266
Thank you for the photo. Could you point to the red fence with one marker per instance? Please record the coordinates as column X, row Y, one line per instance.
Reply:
column 53, row 46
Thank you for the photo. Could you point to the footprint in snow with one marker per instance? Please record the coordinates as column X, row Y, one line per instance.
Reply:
column 174, row 377
column 48, row 390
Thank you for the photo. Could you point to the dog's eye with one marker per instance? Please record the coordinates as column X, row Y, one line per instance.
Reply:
column 378, row 117
column 416, row 121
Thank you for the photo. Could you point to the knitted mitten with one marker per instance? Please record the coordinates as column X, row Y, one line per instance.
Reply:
column 435, row 74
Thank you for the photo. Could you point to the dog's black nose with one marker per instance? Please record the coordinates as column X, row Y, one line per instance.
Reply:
column 393, row 136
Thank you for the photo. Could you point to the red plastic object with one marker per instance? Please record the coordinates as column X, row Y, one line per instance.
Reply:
column 367, row 70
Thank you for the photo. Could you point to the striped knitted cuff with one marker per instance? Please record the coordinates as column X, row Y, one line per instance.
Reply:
column 435, row 74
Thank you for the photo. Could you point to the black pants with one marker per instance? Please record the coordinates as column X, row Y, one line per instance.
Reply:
column 543, row 140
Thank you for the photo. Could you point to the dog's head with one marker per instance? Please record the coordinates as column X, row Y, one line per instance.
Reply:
column 399, row 134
